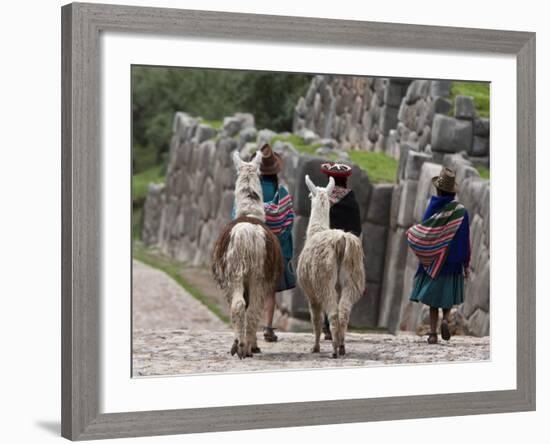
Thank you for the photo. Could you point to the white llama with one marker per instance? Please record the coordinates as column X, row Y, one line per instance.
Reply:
column 247, row 260
column 330, row 270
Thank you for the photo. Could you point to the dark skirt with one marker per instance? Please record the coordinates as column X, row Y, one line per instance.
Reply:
column 443, row 292
column 288, row 279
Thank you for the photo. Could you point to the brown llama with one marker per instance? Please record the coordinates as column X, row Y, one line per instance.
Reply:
column 247, row 260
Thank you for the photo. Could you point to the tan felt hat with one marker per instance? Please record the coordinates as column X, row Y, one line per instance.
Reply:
column 446, row 181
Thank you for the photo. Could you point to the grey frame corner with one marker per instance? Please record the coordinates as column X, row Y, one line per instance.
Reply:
column 82, row 24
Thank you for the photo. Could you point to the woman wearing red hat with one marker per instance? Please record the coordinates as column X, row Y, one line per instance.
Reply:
column 344, row 209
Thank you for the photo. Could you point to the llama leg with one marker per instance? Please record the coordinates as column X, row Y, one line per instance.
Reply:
column 344, row 311
column 316, row 320
column 238, row 308
column 332, row 310
column 253, row 314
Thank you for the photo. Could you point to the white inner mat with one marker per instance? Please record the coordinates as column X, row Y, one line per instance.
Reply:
column 119, row 392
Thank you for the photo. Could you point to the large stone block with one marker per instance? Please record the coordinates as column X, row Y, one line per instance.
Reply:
column 231, row 126
column 393, row 93
column 440, row 88
column 374, row 248
column 311, row 167
column 380, row 203
column 205, row 132
column 482, row 127
column 471, row 193
column 265, row 136
column 418, row 89
column 480, row 147
column 247, row 135
column 465, row 107
column 299, row 230
column 415, row 160
column 442, row 106
column 405, row 214
column 451, row 135
column 392, row 288
column 362, row 188
column 424, row 189
column 152, row 213
column 479, row 323
column 365, row 311
column 246, row 119
column 388, row 119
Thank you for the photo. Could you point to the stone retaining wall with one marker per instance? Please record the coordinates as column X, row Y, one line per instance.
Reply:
column 406, row 119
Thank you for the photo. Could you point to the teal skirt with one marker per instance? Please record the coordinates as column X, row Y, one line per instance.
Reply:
column 288, row 279
column 443, row 292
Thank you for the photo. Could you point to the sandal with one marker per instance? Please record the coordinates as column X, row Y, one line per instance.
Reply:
column 432, row 338
column 445, row 332
column 269, row 334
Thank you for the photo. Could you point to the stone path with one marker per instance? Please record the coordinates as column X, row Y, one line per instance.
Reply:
column 175, row 334
column 161, row 303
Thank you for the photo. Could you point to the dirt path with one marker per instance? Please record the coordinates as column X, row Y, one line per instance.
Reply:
column 176, row 334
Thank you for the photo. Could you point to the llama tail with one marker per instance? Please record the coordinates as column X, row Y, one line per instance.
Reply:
column 352, row 270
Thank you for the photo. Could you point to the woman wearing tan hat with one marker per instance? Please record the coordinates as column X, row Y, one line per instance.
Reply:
column 279, row 217
column 442, row 244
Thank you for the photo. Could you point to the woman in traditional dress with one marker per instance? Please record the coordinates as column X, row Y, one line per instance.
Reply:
column 279, row 218
column 442, row 244
column 344, row 210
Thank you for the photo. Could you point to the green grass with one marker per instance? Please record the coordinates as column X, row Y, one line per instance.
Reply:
column 216, row 124
column 484, row 172
column 480, row 91
column 380, row 167
column 173, row 269
column 141, row 181
column 298, row 143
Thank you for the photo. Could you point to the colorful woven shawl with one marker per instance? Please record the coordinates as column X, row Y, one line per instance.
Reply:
column 431, row 238
column 278, row 212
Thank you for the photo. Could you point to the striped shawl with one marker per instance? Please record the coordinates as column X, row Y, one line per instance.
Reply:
column 430, row 239
column 279, row 214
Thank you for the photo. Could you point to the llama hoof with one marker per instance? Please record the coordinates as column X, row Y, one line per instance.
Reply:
column 334, row 355
column 240, row 351
column 342, row 350
column 234, row 347
column 315, row 349
column 249, row 355
column 256, row 349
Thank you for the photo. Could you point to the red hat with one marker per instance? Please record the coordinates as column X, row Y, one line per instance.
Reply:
column 336, row 169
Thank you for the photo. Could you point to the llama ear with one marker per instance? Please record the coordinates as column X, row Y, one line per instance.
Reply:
column 330, row 186
column 311, row 186
column 258, row 158
column 237, row 160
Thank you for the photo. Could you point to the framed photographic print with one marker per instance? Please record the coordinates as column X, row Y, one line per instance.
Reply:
column 278, row 221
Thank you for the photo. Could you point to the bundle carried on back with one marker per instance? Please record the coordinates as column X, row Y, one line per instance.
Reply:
column 430, row 239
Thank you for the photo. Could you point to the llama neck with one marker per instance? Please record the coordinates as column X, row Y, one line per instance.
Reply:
column 319, row 219
column 249, row 197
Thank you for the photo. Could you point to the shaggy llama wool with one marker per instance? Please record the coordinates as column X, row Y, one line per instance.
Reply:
column 330, row 270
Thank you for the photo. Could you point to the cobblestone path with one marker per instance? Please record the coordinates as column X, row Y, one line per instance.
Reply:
column 175, row 334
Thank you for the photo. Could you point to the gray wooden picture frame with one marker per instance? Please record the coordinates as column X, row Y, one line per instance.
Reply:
column 81, row 167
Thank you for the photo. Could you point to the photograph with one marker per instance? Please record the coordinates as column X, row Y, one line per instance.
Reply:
column 294, row 221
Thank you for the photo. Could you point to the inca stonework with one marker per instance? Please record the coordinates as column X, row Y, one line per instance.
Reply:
column 413, row 121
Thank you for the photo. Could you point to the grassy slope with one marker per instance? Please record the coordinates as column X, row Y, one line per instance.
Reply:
column 478, row 90
column 380, row 167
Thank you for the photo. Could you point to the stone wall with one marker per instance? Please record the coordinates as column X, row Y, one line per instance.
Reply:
column 380, row 114
column 409, row 201
column 184, row 216
column 407, row 119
